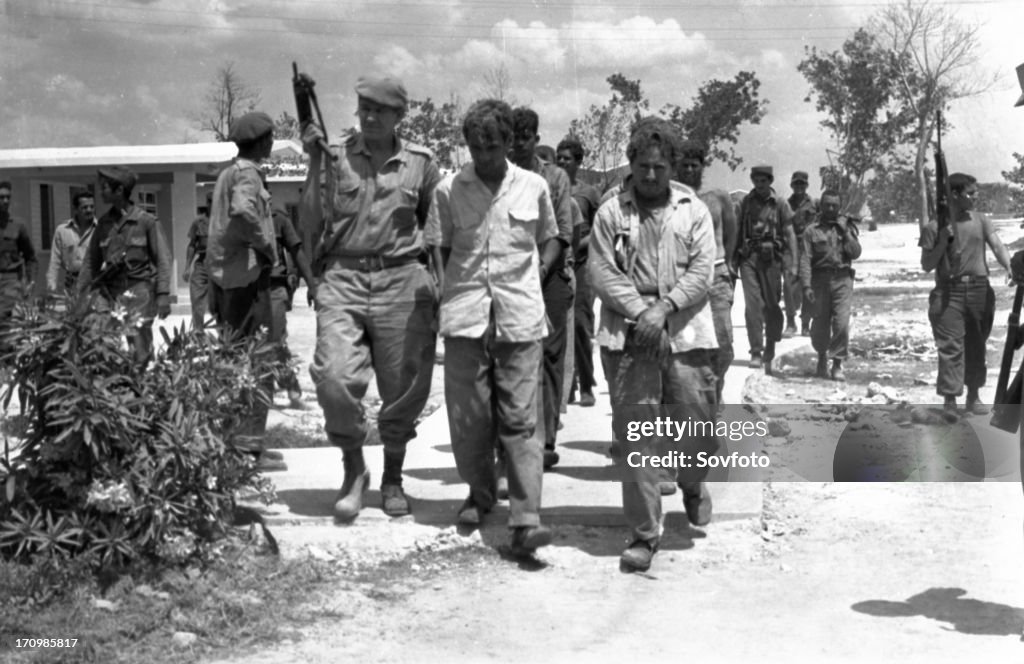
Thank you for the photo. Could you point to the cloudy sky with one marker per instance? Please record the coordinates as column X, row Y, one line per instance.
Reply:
column 78, row 73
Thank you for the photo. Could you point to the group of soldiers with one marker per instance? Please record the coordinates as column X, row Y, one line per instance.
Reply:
column 504, row 259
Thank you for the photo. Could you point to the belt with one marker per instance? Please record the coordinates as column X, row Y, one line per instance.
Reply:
column 830, row 270
column 968, row 279
column 374, row 263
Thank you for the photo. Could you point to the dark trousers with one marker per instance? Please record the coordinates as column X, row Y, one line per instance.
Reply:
column 558, row 297
column 490, row 389
column 833, row 299
column 762, row 288
column 242, row 311
column 199, row 292
column 280, row 305
column 583, row 310
column 961, row 315
column 793, row 292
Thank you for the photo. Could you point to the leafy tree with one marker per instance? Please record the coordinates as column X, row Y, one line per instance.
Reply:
column 856, row 90
column 937, row 63
column 892, row 195
column 1015, row 176
column 228, row 97
column 604, row 130
column 438, row 127
column 715, row 116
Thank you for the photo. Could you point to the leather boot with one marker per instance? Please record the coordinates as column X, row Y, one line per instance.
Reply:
column 393, row 499
column 837, row 371
column 769, row 355
column 357, row 480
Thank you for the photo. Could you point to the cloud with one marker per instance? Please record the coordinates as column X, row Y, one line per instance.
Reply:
column 635, row 42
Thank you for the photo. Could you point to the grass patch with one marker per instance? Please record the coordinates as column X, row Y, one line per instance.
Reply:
column 244, row 600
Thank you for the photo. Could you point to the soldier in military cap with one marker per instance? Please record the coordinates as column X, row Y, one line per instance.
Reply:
column 128, row 261
column 240, row 253
column 377, row 300
column 765, row 233
column 804, row 210
column 196, row 274
column 17, row 256
column 830, row 245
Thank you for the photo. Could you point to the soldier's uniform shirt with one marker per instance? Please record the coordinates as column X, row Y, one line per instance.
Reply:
column 376, row 302
column 826, row 266
column 67, row 255
column 198, row 236
column 17, row 255
column 671, row 249
column 805, row 211
column 381, row 213
column 241, row 238
column 588, row 199
column 134, row 241
column 961, row 307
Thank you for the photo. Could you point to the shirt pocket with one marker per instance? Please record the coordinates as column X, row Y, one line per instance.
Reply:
column 401, row 208
column 522, row 226
column 136, row 250
column 346, row 197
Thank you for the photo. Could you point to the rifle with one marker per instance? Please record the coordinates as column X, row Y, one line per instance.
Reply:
column 305, row 103
column 942, row 193
column 1006, row 406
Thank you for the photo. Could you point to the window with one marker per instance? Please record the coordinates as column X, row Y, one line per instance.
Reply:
column 146, row 200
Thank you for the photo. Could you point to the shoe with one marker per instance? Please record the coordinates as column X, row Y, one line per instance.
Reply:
column 550, row 459
column 698, row 505
column 837, row 372
column 822, row 371
column 471, row 514
column 755, row 361
column 265, row 464
column 527, row 539
column 975, row 407
column 949, row 405
column 587, row 400
column 667, row 488
column 789, row 331
column 638, row 556
column 350, row 497
column 393, row 500
column 769, row 355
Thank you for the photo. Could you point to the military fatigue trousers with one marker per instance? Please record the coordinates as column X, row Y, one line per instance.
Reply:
column 381, row 322
column 491, row 391
column 793, row 292
column 762, row 287
column 681, row 387
column 961, row 315
column 583, row 340
column 833, row 299
column 280, row 305
column 199, row 292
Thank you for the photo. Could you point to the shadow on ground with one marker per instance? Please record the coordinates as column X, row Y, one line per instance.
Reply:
column 948, row 605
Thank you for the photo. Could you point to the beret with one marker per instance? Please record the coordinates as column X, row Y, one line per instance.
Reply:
column 384, row 90
column 799, row 176
column 762, row 170
column 250, row 127
column 120, row 175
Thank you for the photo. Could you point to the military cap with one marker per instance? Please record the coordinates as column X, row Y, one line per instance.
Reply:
column 120, row 175
column 251, row 127
column 799, row 176
column 384, row 90
column 1020, row 79
column 762, row 170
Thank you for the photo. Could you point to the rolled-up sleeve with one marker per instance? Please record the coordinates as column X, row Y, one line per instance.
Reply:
column 549, row 225
column 438, row 229
column 608, row 281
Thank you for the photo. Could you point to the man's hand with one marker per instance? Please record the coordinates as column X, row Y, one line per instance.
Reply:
column 809, row 295
column 163, row 306
column 311, row 137
column 651, row 324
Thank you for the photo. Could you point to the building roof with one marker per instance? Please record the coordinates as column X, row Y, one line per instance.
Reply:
column 129, row 155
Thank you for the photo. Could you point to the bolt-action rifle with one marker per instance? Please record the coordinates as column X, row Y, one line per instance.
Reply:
column 1007, row 403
